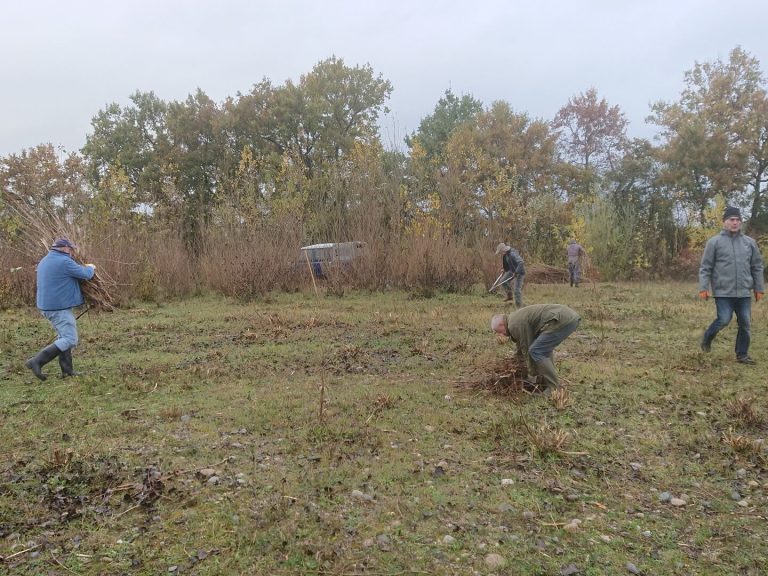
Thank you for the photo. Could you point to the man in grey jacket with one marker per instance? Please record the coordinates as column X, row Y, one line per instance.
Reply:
column 733, row 266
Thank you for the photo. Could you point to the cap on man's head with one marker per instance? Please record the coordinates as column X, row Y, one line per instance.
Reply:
column 63, row 243
column 501, row 248
column 730, row 212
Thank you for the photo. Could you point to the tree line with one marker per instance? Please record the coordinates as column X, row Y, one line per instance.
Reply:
column 303, row 162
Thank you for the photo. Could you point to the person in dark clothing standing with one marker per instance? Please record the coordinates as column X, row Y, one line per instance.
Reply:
column 514, row 269
column 733, row 267
column 575, row 253
column 58, row 291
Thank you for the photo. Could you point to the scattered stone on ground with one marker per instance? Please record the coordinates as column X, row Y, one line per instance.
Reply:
column 359, row 495
column 570, row 570
column 495, row 561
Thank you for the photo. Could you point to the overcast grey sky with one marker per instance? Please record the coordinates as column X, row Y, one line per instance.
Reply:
column 65, row 60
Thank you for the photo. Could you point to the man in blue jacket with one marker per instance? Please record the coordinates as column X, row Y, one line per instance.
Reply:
column 733, row 266
column 514, row 269
column 58, row 291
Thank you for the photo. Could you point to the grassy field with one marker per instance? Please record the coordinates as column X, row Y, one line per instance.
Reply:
column 306, row 435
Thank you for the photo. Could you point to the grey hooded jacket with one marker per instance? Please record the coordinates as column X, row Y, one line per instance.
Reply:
column 733, row 265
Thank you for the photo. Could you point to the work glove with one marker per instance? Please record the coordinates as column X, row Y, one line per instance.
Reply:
column 91, row 266
column 759, row 296
column 704, row 294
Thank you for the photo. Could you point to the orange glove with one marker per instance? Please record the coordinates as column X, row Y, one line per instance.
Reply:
column 704, row 295
column 759, row 296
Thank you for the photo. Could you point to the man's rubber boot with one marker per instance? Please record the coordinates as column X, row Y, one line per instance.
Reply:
column 42, row 358
column 65, row 361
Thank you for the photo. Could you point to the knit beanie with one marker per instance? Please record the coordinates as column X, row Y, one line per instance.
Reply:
column 731, row 211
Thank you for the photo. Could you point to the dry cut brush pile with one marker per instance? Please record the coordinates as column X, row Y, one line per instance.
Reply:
column 504, row 378
column 37, row 233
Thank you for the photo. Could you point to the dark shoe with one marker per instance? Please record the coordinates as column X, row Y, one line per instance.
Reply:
column 706, row 346
column 45, row 355
column 745, row 360
column 65, row 362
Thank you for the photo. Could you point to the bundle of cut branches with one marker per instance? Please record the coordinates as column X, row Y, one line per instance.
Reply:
column 504, row 378
column 39, row 227
column 545, row 274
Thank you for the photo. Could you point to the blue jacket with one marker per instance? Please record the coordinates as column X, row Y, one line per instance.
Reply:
column 511, row 261
column 58, row 281
column 733, row 266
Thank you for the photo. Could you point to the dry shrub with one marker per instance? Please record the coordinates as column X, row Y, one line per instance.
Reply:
column 547, row 440
column 504, row 378
column 248, row 264
column 17, row 280
column 742, row 444
column 560, row 398
column 427, row 263
column 742, row 409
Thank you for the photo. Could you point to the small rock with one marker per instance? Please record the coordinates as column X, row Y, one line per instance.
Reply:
column 741, row 473
column 636, row 466
column 383, row 542
column 448, row 540
column 570, row 570
column 447, row 397
column 605, row 538
column 735, row 495
column 753, row 484
column 495, row 561
column 678, row 502
column 507, row 481
column 647, row 533
column 368, row 542
column 665, row 497
column 206, row 472
column 173, row 568
column 743, row 503
column 429, row 428
column 631, row 568
column 213, row 480
column 571, row 497
column 528, row 515
column 358, row 495
column 185, row 418
column 571, row 527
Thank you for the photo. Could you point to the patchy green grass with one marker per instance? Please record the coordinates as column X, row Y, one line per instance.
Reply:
column 344, row 440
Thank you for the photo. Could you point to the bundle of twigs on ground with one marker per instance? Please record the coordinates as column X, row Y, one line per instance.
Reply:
column 503, row 378
column 38, row 229
column 545, row 274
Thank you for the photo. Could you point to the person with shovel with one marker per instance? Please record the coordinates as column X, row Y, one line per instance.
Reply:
column 58, row 291
column 537, row 330
column 513, row 269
